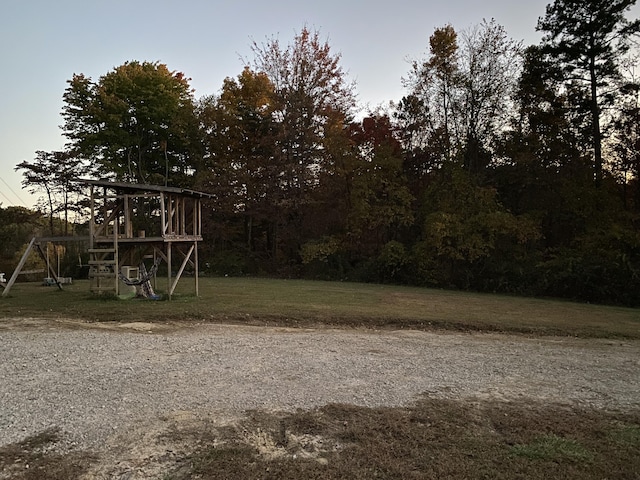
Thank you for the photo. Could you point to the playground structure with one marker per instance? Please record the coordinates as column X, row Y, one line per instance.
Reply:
column 36, row 244
column 128, row 225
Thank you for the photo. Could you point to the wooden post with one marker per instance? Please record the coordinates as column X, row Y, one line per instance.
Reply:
column 199, row 218
column 155, row 277
column 183, row 217
column 16, row 272
column 182, row 267
column 169, row 269
column 92, row 219
column 50, row 271
column 163, row 209
column 105, row 211
column 116, row 259
column 195, row 252
column 128, row 225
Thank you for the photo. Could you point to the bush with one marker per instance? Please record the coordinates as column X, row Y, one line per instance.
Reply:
column 226, row 263
column 392, row 263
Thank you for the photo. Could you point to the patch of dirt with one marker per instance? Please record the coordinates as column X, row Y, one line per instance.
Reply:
column 55, row 324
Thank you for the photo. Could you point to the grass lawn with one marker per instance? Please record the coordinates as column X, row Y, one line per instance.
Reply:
column 313, row 303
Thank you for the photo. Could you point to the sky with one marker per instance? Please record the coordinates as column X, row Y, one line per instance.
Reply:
column 43, row 43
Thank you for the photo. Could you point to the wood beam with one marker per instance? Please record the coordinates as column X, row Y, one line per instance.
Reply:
column 16, row 272
column 51, row 273
column 179, row 274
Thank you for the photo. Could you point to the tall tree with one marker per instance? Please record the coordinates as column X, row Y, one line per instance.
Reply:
column 444, row 65
column 544, row 164
column 433, row 83
column 490, row 62
column 137, row 122
column 626, row 145
column 544, row 133
column 588, row 39
column 460, row 96
column 239, row 165
column 313, row 101
column 53, row 174
column 312, row 92
column 380, row 201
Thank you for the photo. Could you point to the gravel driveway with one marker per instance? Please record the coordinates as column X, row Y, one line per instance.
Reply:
column 98, row 382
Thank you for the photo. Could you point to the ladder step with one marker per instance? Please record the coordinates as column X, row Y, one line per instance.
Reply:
column 102, row 275
column 101, row 262
column 103, row 289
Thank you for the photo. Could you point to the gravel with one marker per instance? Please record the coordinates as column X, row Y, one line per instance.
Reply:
column 96, row 383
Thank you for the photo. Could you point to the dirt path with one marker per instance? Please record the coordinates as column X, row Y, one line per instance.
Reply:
column 113, row 386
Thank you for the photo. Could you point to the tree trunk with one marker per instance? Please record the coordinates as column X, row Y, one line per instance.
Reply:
column 595, row 118
column 50, row 201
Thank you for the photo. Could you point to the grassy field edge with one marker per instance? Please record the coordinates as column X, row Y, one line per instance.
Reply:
column 303, row 303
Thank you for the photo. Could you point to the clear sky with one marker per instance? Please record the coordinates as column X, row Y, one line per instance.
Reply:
column 44, row 42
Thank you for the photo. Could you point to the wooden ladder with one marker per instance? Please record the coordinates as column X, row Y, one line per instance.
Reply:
column 103, row 269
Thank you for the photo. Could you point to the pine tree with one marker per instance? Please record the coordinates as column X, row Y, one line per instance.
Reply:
column 588, row 39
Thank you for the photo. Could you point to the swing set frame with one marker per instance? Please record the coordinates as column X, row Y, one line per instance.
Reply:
column 173, row 228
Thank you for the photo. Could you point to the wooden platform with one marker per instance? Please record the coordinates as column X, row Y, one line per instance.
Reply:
column 133, row 222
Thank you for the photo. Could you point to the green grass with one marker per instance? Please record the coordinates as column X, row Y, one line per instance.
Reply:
column 553, row 447
column 627, row 435
column 313, row 303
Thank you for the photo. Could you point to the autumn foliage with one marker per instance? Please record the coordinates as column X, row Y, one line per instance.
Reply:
column 497, row 171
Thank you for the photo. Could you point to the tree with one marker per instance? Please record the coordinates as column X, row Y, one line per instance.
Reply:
column 460, row 96
column 311, row 92
column 541, row 152
column 239, row 162
column 625, row 145
column 17, row 226
column 490, row 63
column 588, row 39
column 54, row 174
column 434, row 84
column 137, row 122
column 444, row 64
column 313, row 102
column 366, row 200
column 469, row 240
column 588, row 245
column 380, row 202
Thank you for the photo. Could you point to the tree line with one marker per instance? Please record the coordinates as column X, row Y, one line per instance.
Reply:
column 503, row 168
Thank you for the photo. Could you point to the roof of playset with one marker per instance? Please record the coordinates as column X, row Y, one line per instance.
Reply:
column 144, row 188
